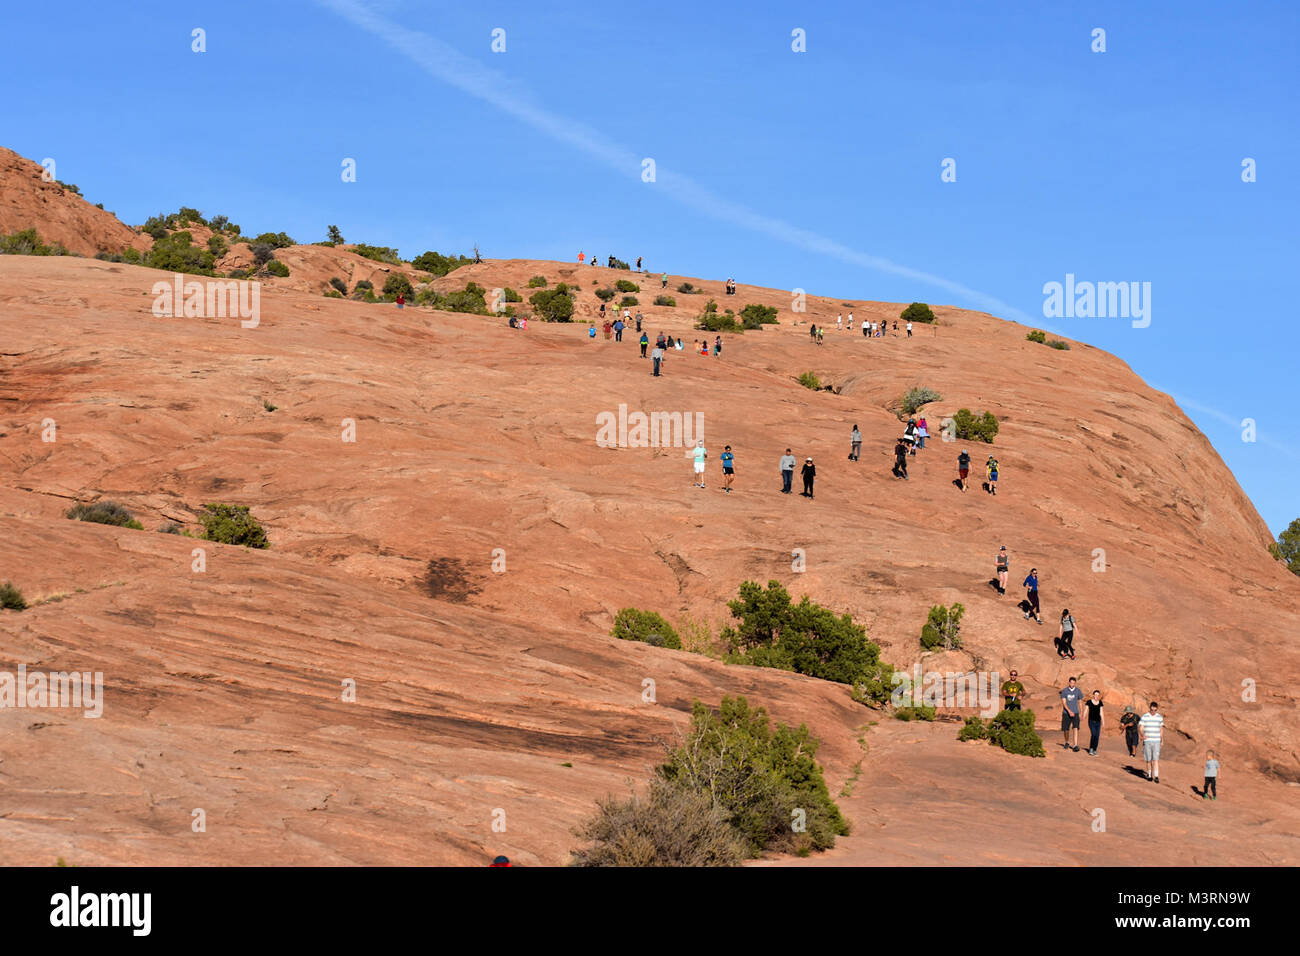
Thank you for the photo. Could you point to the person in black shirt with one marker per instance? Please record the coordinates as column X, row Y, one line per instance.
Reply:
column 900, row 460
column 809, row 473
column 963, row 468
column 1094, row 721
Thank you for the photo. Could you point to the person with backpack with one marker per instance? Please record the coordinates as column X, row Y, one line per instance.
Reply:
column 638, row 320
column 728, row 469
column 645, row 343
column 855, row 444
column 812, row 331
column 922, row 433
column 1129, row 724
column 1003, row 568
column 809, row 473
column 991, row 469
column 963, row 468
column 787, row 471
column 909, row 435
column 820, row 333
column 1030, row 584
column 1065, row 642
column 660, row 342
column 900, row 459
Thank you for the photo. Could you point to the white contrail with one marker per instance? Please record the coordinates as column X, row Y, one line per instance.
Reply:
column 1235, row 424
column 447, row 64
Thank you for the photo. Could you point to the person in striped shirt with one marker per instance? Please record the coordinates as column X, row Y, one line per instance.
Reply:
column 1150, row 727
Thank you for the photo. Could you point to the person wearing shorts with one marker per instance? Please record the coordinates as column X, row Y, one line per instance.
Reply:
column 1003, row 568
column 963, row 467
column 699, row 454
column 1030, row 584
column 1151, row 728
column 728, row 469
column 1071, row 695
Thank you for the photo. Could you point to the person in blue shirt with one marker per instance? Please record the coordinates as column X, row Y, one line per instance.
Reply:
column 1031, row 588
column 728, row 469
column 591, row 331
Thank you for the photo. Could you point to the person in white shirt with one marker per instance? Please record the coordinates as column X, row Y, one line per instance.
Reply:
column 1151, row 728
column 698, row 455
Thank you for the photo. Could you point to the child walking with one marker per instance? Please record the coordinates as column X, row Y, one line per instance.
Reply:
column 1211, row 789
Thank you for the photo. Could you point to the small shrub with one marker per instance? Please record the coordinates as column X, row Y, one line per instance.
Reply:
column 471, row 299
column 626, row 285
column 647, row 627
column 333, row 236
column 268, row 406
column 712, row 322
column 263, row 252
column 340, row 285
column 1287, row 547
column 687, row 289
column 511, row 295
column 104, row 512
column 755, row 316
column 629, row 300
column 1036, row 336
column 219, row 223
column 1059, row 344
column 974, row 729
column 537, row 282
column 605, row 294
column 917, row 312
column 277, row 268
column 11, row 598
column 171, row 527
column 362, row 286
column 553, row 305
column 217, row 246
column 27, row 242
column 921, row 712
column 917, row 396
column 665, row 300
column 943, row 628
column 378, row 253
column 176, row 253
column 671, row 826
column 617, row 263
column 398, row 284
column 970, row 428
column 1013, row 731
column 809, row 380
column 232, row 524
column 437, row 264
column 276, row 240
column 333, row 294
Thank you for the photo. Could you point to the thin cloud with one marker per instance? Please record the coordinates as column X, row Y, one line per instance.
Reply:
column 454, row 68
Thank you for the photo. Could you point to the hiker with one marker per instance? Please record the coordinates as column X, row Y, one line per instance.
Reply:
column 664, row 281
column 401, row 300
column 1129, row 724
column 820, row 333
column 645, row 343
column 1151, row 728
column 1030, row 584
column 514, row 324
column 658, row 356
column 611, row 262
column 638, row 263
column 812, row 331
column 679, row 344
column 728, row 469
column 638, row 320
column 670, row 342
column 922, row 433
column 909, row 329
column 900, row 460
column 963, row 468
column 909, row 435
column 855, row 444
column 850, row 321
column 896, row 326
column 717, row 346
column 1071, row 694
column 699, row 454
column 1065, row 642
column 580, row 257
column 618, row 330
column 787, row 471
column 1003, row 568
column 1211, row 788
column 809, row 473
column 991, row 470
column 866, row 330
column 591, row 330
column 659, row 341
column 608, row 328
column 839, row 322
column 1095, row 708
column 1012, row 692
column 704, row 346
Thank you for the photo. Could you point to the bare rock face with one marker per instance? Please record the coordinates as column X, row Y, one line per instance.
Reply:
column 449, row 538
column 28, row 201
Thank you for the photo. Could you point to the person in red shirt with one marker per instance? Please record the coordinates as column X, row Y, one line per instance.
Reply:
column 401, row 300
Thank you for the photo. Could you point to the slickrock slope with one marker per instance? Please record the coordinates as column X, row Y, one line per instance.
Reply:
column 474, row 687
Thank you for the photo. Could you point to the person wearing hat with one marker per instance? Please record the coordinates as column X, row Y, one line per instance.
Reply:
column 1003, row 568
column 809, row 473
column 1128, row 722
column 900, row 459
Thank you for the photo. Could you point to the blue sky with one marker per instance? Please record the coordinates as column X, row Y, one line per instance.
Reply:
column 818, row 170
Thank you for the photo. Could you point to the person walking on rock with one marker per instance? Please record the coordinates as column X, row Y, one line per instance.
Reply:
column 963, row 468
column 787, row 471
column 809, row 473
column 855, row 444
column 1129, row 723
column 1065, row 642
column 1030, row 584
column 645, row 343
column 1211, row 788
column 991, row 471
column 1071, row 694
column 1095, row 720
column 900, row 459
column 1013, row 692
column 717, row 346
column 663, row 281
column 699, row 455
column 728, row 469
column 909, row 435
column 1151, row 729
column 658, row 356
column 1003, row 568
column 618, row 330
